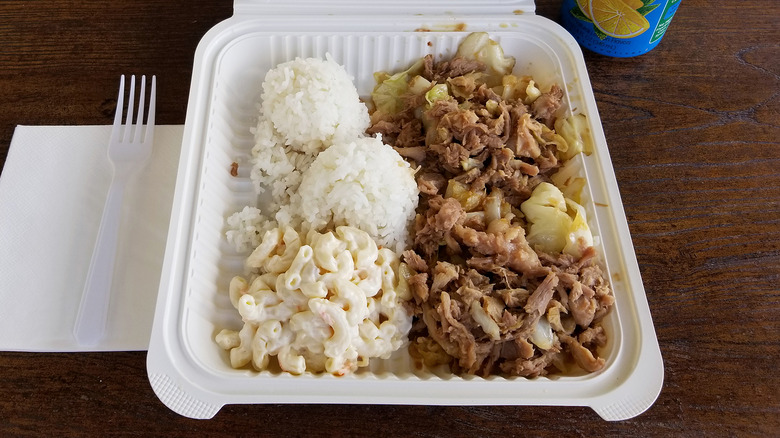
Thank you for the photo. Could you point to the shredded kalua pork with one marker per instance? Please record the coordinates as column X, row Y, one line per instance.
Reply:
column 485, row 300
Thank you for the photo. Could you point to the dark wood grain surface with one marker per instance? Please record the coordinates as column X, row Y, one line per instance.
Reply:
column 694, row 133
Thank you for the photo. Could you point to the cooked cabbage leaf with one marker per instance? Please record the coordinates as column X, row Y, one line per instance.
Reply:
column 576, row 132
column 556, row 224
column 545, row 211
column 387, row 94
column 479, row 46
column 579, row 237
column 437, row 92
column 568, row 179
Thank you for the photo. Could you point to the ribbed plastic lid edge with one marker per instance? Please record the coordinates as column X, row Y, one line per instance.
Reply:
column 377, row 8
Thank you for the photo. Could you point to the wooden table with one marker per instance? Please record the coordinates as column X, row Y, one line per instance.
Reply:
column 694, row 134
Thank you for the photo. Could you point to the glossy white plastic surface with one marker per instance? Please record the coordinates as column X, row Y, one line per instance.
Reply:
column 192, row 375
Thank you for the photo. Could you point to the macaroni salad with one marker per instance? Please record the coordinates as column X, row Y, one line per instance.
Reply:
column 319, row 302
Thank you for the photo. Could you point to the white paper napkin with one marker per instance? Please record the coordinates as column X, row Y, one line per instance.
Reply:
column 52, row 190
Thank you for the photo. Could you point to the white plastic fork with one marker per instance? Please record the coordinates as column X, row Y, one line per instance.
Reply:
column 129, row 148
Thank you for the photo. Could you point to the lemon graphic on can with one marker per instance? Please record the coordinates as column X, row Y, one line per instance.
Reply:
column 618, row 19
column 619, row 28
column 585, row 8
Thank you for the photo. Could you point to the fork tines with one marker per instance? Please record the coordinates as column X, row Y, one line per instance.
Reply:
column 139, row 125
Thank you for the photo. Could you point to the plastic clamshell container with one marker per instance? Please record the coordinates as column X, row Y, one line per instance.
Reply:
column 192, row 375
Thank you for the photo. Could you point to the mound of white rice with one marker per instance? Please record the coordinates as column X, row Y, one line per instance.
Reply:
column 313, row 103
column 365, row 184
column 276, row 167
column 246, row 228
column 310, row 106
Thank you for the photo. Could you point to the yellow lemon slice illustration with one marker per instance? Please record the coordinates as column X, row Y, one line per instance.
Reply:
column 617, row 19
column 634, row 4
column 585, row 7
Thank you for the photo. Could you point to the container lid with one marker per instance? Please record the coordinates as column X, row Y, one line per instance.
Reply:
column 383, row 8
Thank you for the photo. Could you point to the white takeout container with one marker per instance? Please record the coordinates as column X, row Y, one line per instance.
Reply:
column 188, row 370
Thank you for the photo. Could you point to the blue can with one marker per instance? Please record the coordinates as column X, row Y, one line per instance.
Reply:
column 620, row 28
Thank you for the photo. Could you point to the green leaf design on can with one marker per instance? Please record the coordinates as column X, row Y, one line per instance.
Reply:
column 578, row 14
column 647, row 8
column 599, row 33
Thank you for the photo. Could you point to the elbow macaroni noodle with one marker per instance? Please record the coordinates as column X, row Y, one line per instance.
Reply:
column 328, row 302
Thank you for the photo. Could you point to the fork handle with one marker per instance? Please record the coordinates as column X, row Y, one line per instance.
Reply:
column 93, row 310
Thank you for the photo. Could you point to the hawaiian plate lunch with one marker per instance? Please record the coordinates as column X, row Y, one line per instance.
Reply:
column 446, row 229
column 447, row 222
